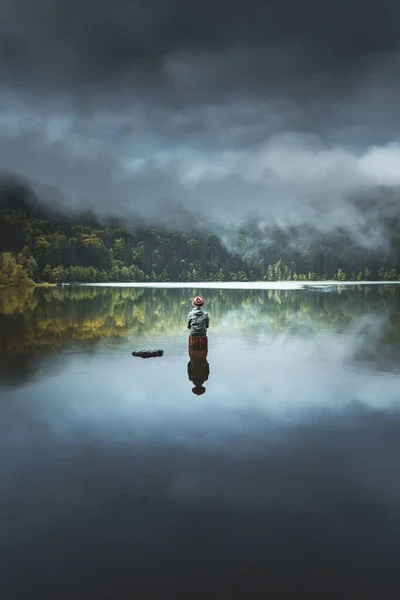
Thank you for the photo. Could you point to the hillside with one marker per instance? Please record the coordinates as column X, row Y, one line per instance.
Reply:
column 45, row 245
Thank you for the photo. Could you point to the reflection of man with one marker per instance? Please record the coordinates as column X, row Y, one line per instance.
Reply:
column 198, row 370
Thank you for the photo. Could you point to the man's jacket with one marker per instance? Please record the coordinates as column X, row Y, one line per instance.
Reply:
column 198, row 321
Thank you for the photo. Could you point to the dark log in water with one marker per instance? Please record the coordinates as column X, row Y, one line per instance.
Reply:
column 148, row 353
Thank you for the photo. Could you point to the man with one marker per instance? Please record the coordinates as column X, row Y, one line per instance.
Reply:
column 198, row 319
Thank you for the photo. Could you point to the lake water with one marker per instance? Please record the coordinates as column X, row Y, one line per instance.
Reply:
column 280, row 477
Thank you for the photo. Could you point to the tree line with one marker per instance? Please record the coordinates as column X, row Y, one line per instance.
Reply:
column 50, row 248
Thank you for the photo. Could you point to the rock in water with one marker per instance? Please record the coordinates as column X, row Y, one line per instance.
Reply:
column 148, row 353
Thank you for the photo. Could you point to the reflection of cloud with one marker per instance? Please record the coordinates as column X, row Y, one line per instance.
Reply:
column 360, row 322
column 288, row 378
column 279, row 412
column 375, row 342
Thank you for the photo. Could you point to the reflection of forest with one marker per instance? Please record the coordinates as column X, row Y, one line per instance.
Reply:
column 31, row 318
column 34, row 321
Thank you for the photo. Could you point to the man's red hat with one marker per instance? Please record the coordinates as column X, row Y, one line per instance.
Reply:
column 198, row 301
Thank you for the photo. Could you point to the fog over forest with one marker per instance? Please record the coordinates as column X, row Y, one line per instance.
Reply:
column 208, row 113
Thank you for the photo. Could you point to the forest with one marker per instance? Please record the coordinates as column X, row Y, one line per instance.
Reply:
column 39, row 244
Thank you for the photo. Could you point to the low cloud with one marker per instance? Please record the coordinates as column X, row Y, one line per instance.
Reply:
column 279, row 111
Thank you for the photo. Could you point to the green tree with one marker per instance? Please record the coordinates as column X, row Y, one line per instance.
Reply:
column 12, row 273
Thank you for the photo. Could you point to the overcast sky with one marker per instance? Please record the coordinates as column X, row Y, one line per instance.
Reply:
column 276, row 108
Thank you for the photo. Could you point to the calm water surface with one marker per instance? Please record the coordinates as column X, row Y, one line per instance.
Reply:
column 279, row 475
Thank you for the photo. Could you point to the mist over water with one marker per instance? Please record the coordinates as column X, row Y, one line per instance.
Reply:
column 117, row 481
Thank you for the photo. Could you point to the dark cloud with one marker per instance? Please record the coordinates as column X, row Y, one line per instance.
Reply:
column 273, row 108
column 83, row 46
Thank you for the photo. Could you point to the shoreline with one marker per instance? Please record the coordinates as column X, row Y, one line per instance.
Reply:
column 250, row 285
column 260, row 285
column 27, row 285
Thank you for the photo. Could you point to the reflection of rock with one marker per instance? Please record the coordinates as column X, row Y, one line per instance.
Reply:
column 198, row 367
column 148, row 353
